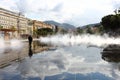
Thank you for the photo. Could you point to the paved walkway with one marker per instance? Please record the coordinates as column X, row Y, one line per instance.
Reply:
column 10, row 55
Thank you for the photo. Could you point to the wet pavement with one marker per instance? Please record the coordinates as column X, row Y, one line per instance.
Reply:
column 64, row 63
column 18, row 51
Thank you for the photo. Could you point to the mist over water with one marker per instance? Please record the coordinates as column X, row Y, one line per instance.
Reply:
column 16, row 44
column 68, row 39
column 2, row 45
column 13, row 44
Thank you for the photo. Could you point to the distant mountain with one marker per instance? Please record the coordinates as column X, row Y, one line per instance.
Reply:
column 52, row 22
column 66, row 26
column 91, row 25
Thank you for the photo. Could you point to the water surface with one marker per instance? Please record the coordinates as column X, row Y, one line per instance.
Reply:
column 63, row 63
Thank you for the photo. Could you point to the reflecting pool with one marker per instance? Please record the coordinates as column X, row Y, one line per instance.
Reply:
column 77, row 62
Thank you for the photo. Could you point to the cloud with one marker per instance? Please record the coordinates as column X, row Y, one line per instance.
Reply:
column 8, row 4
column 22, row 6
column 58, row 7
column 116, row 4
column 77, row 12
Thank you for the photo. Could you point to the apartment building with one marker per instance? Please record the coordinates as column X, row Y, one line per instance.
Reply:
column 39, row 24
column 12, row 24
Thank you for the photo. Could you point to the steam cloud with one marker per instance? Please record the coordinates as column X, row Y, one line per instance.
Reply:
column 16, row 44
column 13, row 44
column 2, row 45
column 68, row 39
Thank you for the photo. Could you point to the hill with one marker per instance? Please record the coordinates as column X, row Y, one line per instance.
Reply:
column 65, row 26
column 90, row 25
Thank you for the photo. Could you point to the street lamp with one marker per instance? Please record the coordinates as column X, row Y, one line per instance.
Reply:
column 18, row 25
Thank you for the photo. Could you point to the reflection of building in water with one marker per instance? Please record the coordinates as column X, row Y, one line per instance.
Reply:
column 37, row 47
column 111, row 53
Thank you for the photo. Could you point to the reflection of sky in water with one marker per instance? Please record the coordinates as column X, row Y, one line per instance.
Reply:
column 65, row 63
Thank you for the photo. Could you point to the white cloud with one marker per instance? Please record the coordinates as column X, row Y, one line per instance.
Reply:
column 77, row 12
column 8, row 4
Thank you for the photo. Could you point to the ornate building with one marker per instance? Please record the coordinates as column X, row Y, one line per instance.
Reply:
column 39, row 24
column 12, row 24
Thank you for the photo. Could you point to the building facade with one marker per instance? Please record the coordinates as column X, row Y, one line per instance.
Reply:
column 15, row 25
column 40, row 24
column 12, row 24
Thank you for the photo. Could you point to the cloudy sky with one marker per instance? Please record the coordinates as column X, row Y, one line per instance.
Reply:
column 76, row 12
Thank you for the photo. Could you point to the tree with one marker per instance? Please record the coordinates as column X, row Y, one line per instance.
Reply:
column 63, row 31
column 111, row 23
column 101, row 29
column 1, row 27
column 89, row 30
column 79, row 30
column 13, row 28
column 44, row 32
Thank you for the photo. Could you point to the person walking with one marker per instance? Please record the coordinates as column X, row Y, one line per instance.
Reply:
column 30, row 39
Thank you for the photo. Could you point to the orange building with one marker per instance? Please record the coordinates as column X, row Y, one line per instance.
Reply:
column 40, row 24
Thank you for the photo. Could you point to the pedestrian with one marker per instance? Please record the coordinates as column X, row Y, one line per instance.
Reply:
column 30, row 39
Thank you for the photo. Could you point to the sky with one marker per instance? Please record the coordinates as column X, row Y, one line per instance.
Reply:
column 75, row 12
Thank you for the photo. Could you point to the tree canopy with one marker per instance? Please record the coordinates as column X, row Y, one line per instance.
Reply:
column 44, row 31
column 111, row 23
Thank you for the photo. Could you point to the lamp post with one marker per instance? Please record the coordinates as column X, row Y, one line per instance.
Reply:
column 18, row 25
